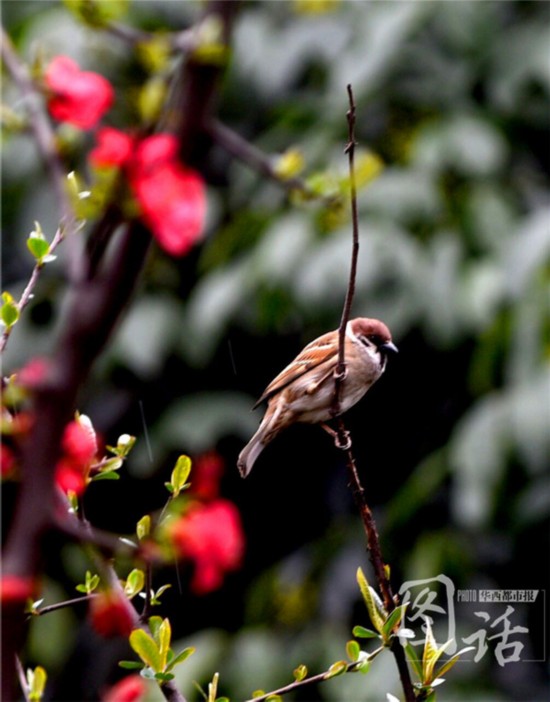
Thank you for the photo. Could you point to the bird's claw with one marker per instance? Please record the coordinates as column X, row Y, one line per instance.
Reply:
column 341, row 375
column 343, row 441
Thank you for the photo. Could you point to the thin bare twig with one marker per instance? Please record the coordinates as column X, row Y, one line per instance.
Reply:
column 27, row 294
column 22, row 678
column 340, row 372
column 320, row 677
column 40, row 124
column 40, row 611
column 45, row 139
column 181, row 41
column 344, row 441
column 247, row 153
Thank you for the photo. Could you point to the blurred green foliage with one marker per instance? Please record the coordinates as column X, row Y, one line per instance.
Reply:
column 455, row 253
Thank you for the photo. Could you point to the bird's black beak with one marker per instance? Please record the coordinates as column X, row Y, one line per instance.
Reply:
column 389, row 346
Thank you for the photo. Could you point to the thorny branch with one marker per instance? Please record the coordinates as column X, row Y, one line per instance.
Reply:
column 344, row 441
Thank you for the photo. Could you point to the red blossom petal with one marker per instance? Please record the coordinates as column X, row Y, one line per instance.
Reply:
column 61, row 70
column 210, row 535
column 79, row 441
column 79, row 97
column 7, row 460
column 70, row 478
column 114, row 148
column 173, row 203
column 207, row 473
column 112, row 615
column 154, row 151
column 130, row 689
column 34, row 372
column 16, row 588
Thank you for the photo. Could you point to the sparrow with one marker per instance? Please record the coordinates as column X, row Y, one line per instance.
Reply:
column 304, row 390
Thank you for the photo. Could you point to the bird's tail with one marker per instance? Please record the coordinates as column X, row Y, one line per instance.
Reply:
column 250, row 453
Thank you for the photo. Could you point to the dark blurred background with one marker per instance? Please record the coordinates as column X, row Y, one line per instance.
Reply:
column 452, row 443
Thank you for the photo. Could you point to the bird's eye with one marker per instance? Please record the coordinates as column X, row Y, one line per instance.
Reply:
column 376, row 339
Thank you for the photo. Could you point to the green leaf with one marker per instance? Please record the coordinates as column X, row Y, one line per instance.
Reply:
column 73, row 501
column 38, row 245
column 90, row 583
column 431, row 655
column 362, row 633
column 338, row 668
column 363, row 666
column 156, row 595
column 213, row 688
column 97, row 13
column 451, row 662
column 180, row 474
column 180, row 658
column 210, row 47
column 289, row 164
column 370, row 598
column 300, row 672
column 164, row 639
column 124, row 445
column 37, row 683
column 111, row 464
column 106, row 475
column 154, row 624
column 258, row 693
column 393, row 620
column 414, row 660
column 169, row 487
column 353, row 650
column 146, row 648
column 143, row 527
column 9, row 313
column 134, row 583
column 32, row 607
column 164, row 677
column 130, row 665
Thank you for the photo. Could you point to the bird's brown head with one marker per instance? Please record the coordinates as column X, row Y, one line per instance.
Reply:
column 373, row 332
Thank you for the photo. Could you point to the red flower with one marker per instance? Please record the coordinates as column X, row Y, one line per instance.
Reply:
column 114, row 148
column 70, row 477
column 79, row 97
column 155, row 150
column 207, row 473
column 172, row 197
column 173, row 205
column 34, row 372
column 210, row 535
column 79, row 441
column 112, row 615
column 16, row 588
column 130, row 689
column 7, row 460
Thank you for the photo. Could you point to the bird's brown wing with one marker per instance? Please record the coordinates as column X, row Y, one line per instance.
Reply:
column 319, row 351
